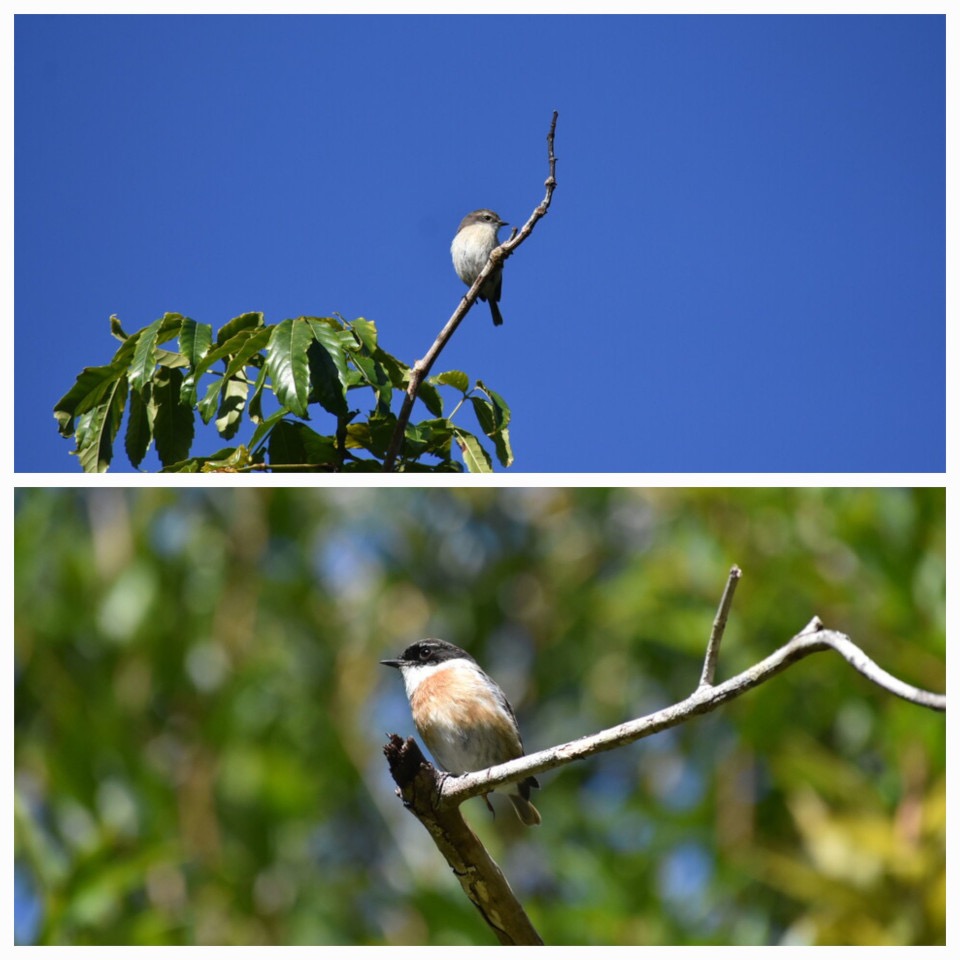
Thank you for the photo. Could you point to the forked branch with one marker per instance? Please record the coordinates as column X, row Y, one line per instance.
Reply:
column 813, row 638
column 434, row 798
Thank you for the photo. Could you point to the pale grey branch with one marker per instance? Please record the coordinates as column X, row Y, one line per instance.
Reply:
column 812, row 638
column 719, row 625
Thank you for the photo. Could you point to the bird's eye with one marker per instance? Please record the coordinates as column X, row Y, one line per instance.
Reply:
column 423, row 653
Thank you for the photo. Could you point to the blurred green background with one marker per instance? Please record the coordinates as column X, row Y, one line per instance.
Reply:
column 200, row 713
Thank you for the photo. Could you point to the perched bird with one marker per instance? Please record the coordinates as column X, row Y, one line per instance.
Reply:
column 464, row 718
column 476, row 238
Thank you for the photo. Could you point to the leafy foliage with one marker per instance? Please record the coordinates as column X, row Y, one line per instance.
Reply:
column 199, row 712
column 303, row 362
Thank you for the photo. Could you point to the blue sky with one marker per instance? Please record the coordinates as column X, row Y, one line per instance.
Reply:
column 742, row 270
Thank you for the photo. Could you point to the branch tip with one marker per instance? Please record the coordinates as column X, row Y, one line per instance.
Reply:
column 719, row 625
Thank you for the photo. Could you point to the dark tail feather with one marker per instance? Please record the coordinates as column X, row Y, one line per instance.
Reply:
column 526, row 811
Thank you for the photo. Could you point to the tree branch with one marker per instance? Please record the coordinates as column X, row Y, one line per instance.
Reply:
column 481, row 879
column 435, row 798
column 422, row 367
column 813, row 638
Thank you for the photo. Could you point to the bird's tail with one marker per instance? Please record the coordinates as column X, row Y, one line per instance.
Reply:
column 526, row 811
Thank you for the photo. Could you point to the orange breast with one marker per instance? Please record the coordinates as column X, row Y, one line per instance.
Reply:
column 454, row 710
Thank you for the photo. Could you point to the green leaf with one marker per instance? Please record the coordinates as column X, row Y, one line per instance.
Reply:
column 233, row 347
column 328, row 371
column 243, row 349
column 145, row 356
column 124, row 353
column 233, row 398
column 452, row 378
column 246, row 347
column 354, row 377
column 287, row 363
column 501, row 408
column 88, row 391
column 195, row 339
column 484, row 411
column 255, row 410
column 494, row 415
column 431, row 398
column 381, row 433
column 97, row 427
column 172, row 420
column 366, row 331
column 139, row 432
column 207, row 407
column 263, row 430
column 397, row 370
column 491, row 421
column 115, row 329
column 501, row 443
column 227, row 460
column 475, row 458
column 336, row 329
column 358, row 436
column 432, row 436
column 170, row 358
column 332, row 340
column 170, row 324
column 375, row 376
column 192, row 465
column 246, row 321
column 145, row 344
column 295, row 444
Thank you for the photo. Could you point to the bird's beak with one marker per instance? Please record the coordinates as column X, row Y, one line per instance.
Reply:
column 392, row 663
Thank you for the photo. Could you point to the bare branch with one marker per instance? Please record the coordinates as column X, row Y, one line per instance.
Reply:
column 423, row 366
column 435, row 799
column 813, row 638
column 719, row 625
column 481, row 879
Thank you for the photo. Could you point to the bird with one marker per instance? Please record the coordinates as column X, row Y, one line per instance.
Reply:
column 476, row 237
column 463, row 716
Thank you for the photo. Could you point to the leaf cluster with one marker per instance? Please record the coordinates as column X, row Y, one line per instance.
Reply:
column 305, row 363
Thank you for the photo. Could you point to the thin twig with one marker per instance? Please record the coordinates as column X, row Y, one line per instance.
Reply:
column 423, row 366
column 719, row 625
